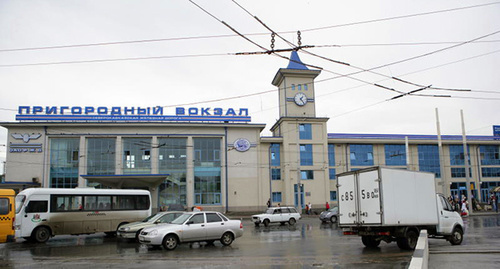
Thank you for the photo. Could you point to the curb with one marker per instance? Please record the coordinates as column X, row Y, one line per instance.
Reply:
column 420, row 257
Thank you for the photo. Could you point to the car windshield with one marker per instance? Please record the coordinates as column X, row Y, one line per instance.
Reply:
column 149, row 218
column 181, row 219
column 269, row 211
column 333, row 209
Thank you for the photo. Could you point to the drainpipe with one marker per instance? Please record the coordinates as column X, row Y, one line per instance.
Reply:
column 227, row 177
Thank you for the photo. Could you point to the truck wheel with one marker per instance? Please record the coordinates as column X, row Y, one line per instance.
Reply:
column 266, row 222
column 409, row 242
column 369, row 241
column 456, row 236
column 41, row 235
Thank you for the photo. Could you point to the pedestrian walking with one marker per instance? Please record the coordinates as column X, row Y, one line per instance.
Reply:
column 327, row 206
column 307, row 209
column 310, row 208
column 269, row 202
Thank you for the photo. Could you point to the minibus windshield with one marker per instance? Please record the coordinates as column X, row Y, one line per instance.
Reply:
column 19, row 202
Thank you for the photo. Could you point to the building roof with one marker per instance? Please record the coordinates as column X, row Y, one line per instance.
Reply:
column 295, row 62
column 411, row 137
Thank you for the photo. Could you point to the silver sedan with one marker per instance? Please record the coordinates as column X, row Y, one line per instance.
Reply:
column 132, row 230
column 329, row 215
column 205, row 226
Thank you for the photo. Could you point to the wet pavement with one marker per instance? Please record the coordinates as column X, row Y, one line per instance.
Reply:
column 308, row 244
column 480, row 248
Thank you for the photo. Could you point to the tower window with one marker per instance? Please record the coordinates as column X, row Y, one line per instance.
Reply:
column 293, row 87
column 305, row 87
column 300, row 87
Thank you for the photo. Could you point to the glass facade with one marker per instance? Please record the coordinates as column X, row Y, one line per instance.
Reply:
column 395, row 155
column 490, row 155
column 306, row 154
column 137, row 155
column 207, row 171
column 428, row 159
column 101, row 156
column 64, row 160
column 305, row 131
column 361, row 155
column 172, row 161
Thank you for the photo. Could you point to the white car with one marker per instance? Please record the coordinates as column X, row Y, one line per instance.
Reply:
column 277, row 214
column 207, row 226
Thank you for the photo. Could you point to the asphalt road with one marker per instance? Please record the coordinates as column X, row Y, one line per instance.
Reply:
column 308, row 244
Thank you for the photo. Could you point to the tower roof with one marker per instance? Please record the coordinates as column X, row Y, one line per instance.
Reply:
column 295, row 62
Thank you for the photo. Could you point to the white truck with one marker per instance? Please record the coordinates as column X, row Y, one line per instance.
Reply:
column 388, row 204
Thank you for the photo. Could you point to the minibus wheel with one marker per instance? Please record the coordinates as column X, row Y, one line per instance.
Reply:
column 41, row 234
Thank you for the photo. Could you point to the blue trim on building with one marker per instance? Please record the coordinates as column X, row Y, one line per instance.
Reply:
column 410, row 137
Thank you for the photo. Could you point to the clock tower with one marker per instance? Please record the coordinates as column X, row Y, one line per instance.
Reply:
column 296, row 89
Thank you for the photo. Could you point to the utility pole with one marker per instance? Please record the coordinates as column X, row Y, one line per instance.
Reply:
column 445, row 189
column 466, row 161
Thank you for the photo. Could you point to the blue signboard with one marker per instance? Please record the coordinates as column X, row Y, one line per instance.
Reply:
column 130, row 114
column 496, row 131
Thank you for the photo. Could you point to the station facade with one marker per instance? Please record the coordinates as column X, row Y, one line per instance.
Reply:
column 217, row 158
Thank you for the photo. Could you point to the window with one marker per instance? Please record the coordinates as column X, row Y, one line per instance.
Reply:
column 197, row 219
column 457, row 154
column 64, row 162
column 37, row 207
column 101, row 153
column 207, row 171
column 395, row 154
column 277, row 197
column 490, row 171
column 305, row 87
column 305, row 131
column 333, row 195
column 490, row 155
column 172, row 154
column 66, row 203
column 361, row 155
column 293, row 87
column 137, row 155
column 299, row 86
column 275, row 154
column 331, row 155
column 4, row 206
column 213, row 217
column 428, row 159
column 307, row 174
column 331, row 173
column 276, row 174
column 306, row 154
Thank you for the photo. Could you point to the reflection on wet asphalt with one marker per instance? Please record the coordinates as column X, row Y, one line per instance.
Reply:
column 307, row 244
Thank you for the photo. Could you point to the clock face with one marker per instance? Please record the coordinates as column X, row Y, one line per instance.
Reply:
column 300, row 99
column 242, row 144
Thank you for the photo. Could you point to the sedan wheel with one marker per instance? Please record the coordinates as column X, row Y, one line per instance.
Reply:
column 292, row 221
column 170, row 242
column 227, row 239
column 333, row 219
column 266, row 222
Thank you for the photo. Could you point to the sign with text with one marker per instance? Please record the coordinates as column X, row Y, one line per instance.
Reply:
column 129, row 114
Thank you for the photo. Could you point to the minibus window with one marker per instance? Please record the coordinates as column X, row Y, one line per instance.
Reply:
column 19, row 202
column 4, row 206
column 37, row 207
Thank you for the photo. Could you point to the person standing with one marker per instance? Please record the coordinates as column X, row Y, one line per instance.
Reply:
column 269, row 202
column 310, row 208
column 327, row 206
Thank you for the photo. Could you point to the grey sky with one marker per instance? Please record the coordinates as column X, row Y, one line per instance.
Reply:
column 349, row 103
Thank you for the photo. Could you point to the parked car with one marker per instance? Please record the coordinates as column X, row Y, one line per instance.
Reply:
column 329, row 215
column 132, row 230
column 207, row 226
column 277, row 214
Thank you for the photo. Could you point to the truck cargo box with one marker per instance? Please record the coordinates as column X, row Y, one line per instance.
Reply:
column 379, row 196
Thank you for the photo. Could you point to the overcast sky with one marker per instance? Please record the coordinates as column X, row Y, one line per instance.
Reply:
column 418, row 41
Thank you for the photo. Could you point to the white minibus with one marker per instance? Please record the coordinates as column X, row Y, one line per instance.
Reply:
column 45, row 212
